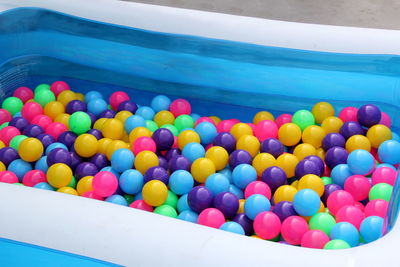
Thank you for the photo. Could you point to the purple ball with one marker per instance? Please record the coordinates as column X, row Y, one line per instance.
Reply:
column 58, row 155
column 227, row 203
column 162, row 162
column 333, row 139
column 179, row 162
column 238, row 157
column 19, row 122
column 272, row 146
column 156, row 173
column 369, row 115
column 163, row 138
column 92, row 118
column 284, row 209
column 67, row 138
column 172, row 153
column 335, row 156
column 108, row 113
column 199, row 198
column 306, row 166
column 317, row 160
column 8, row 154
column 274, row 177
column 74, row 106
column 46, row 139
column 329, row 189
column 32, row 130
column 96, row 133
column 128, row 105
column 100, row 160
column 245, row 222
column 350, row 128
column 225, row 140
column 75, row 160
column 85, row 169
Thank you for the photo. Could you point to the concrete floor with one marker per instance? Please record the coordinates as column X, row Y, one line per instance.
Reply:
column 383, row 14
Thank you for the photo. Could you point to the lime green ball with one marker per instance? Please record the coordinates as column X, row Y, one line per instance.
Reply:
column 72, row 183
column 151, row 125
column 381, row 191
column 275, row 239
column 109, row 107
column 322, row 221
column 41, row 87
column 3, row 125
column 12, row 104
column 129, row 198
column 172, row 128
column 166, row 210
column 336, row 244
column 43, row 97
column 326, row 180
column 16, row 140
column 79, row 122
column 18, row 184
column 183, row 122
column 172, row 200
column 303, row 118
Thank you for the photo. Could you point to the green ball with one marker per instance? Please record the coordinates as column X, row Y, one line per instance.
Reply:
column 41, row 87
column 166, row 210
column 303, row 118
column 275, row 239
column 336, row 244
column 79, row 122
column 326, row 180
column 18, row 184
column 172, row 128
column 72, row 183
column 151, row 125
column 12, row 104
column 183, row 122
column 16, row 140
column 3, row 125
column 129, row 198
column 322, row 221
column 172, row 200
column 381, row 191
column 43, row 97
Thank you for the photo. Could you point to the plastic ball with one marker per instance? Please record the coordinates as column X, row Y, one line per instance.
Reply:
column 255, row 204
column 8, row 177
column 378, row 134
column 79, row 122
column 189, row 216
column 332, row 140
column 117, row 199
column 180, row 107
column 272, row 146
column 345, row 231
column 100, row 160
column 211, row 217
column 30, row 149
column 306, row 202
column 104, row 183
column 172, row 128
column 303, row 119
column 113, row 129
column 156, row 173
column 360, row 162
column 218, row 155
column 381, row 191
column 31, row 110
column 145, row 160
column 58, row 87
column 145, row 112
column 59, row 175
column 140, row 132
column 293, row 228
column 183, row 122
column 77, row 105
column 331, row 124
column 12, row 104
column 274, row 177
column 199, row 198
column 313, row 135
column 385, row 120
column 377, row 207
column 123, row 115
column 261, row 116
column 336, row 244
column 33, row 177
column 83, row 169
column 207, row 132
column 108, row 114
column 134, row 121
column 358, row 142
column 267, row 225
column 335, row 156
column 368, row 115
column 384, row 175
column 95, row 106
column 43, row 97
column 117, row 98
column 19, row 168
column 348, row 114
column 358, row 186
column 266, row 129
column 202, row 168
column 181, row 182
column 122, row 160
column 232, row 227
column 245, row 222
column 284, row 193
column 243, row 175
column 313, row 182
column 8, row 133
column 225, row 126
column 127, row 106
column 351, row 128
column 32, row 130
column 322, row 221
column 307, row 166
column 322, row 110
column 193, row 151
column 131, row 181
column 338, row 199
column 166, row 210
column 389, row 152
column 287, row 162
column 19, row 122
column 84, row 185
column 257, row 187
column 304, row 150
column 350, row 214
column 225, row 140
column 282, row 119
column 371, row 228
column 160, row 102
column 314, row 239
column 217, row 183
column 58, row 155
column 144, row 144
column 227, row 203
column 86, row 145
column 63, row 119
column 23, row 93
column 240, row 129
column 289, row 134
column 186, row 137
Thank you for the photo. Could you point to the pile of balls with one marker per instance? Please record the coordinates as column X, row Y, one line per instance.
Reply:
column 311, row 179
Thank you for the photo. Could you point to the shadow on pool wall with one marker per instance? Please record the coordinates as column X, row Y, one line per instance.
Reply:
column 222, row 78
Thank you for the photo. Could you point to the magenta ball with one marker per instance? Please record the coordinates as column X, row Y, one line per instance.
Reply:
column 314, row 239
column 358, row 186
column 293, row 229
column 267, row 225
column 338, row 199
column 211, row 217
column 104, row 184
column 350, row 214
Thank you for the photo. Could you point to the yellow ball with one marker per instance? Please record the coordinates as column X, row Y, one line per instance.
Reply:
column 303, row 150
column 30, row 149
column 378, row 134
column 139, row 132
column 262, row 116
column 241, row 206
column 2, row 167
column 145, row 160
column 240, row 129
column 84, row 185
column 59, row 175
column 66, row 96
column 186, row 137
column 103, row 144
column 295, row 184
column 215, row 119
column 86, row 145
column 80, row 97
column 289, row 134
column 219, row 156
column 113, row 146
column 313, row 182
column 321, row 111
column 320, row 153
column 202, row 168
column 2, row 144
column 287, row 162
column 155, row 193
column 358, row 142
column 164, row 117
column 313, row 135
column 125, row 138
column 284, row 193
column 98, row 125
column 53, row 109
column 263, row 161
column 331, row 124
column 249, row 143
column 67, row 190
column 113, row 129
column 63, row 118
column 123, row 115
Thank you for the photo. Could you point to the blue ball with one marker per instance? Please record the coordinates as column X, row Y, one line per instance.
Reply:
column 395, row 136
column 181, row 182
column 389, row 152
column 122, row 160
column 243, row 174
column 306, row 202
column 97, row 106
column 207, row 132
column 360, row 162
column 117, row 199
column 183, row 203
column 255, row 204
column 193, row 151
column 91, row 95
column 41, row 164
column 227, row 172
column 371, row 228
column 386, row 165
column 195, row 116
column 55, row 145
column 160, row 102
column 217, row 183
column 346, row 232
column 131, row 181
column 232, row 227
column 138, row 196
column 19, row 167
column 134, row 121
column 145, row 112
column 112, row 170
column 189, row 216
column 18, row 114
column 236, row 191
column 44, row 185
column 340, row 173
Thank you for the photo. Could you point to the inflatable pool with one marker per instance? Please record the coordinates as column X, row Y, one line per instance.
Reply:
column 225, row 65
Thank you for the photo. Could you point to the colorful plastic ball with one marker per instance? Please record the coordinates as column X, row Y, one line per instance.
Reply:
column 92, row 195
column 23, row 93
column 84, row 185
column 378, row 134
column 85, row 169
column 313, row 135
column 59, row 175
column 337, row 244
column 338, row 199
column 160, row 102
column 267, row 225
column 141, row 205
column 257, row 187
column 383, row 175
column 30, row 149
column 86, row 145
column 165, row 117
column 358, row 186
column 335, row 156
column 189, row 216
column 225, row 126
column 163, row 138
column 217, row 183
column 183, row 122
column 313, row 182
column 243, row 175
column 128, row 105
column 266, row 129
column 7, row 155
column 261, row 116
column 218, row 155
column 173, row 130
column 332, row 140
column 307, row 166
column 104, row 184
column 172, row 200
column 303, row 119
column 58, row 87
column 385, row 120
column 389, row 152
column 117, row 199
column 58, row 155
column 31, row 110
column 186, row 137
column 284, row 209
column 225, row 140
column 107, row 114
column 140, row 132
column 232, row 227
column 289, row 134
column 199, row 198
column 79, row 122
column 255, row 204
column 306, row 202
column 368, row 115
column 67, row 190
column 19, row 122
column 54, row 146
column 293, row 228
column 181, row 182
column 202, row 168
column 32, row 130
column 33, row 177
column 77, row 105
column 345, row 231
column 314, row 239
column 331, row 124
column 63, row 119
column 131, row 181
column 67, row 138
column 172, row 153
column 274, row 177
column 42, row 120
column 381, row 191
column 100, row 160
column 92, row 95
column 12, row 104
column 360, row 162
column 329, row 189
column 19, row 168
column 156, row 173
column 183, row 203
column 117, row 98
column 245, row 222
column 236, row 191
column 134, row 121
column 122, row 160
column 358, row 142
column 95, row 106
column 283, row 119
column 166, row 210
column 180, row 107
column 145, row 160
column 204, row 119
column 272, row 146
column 211, row 217
column 348, row 114
column 5, row 116
column 207, row 132
column 144, row 144
column 193, row 151
column 287, row 162
column 8, row 133
column 248, row 143
column 340, row 173
column 113, row 129
column 350, row 214
column 351, row 128
column 8, row 177
column 322, row 110
column 227, row 203
column 322, row 221
column 304, row 150
column 371, row 228
column 376, row 207
column 238, row 157
column 43, row 97
column 284, row 193
column 240, row 129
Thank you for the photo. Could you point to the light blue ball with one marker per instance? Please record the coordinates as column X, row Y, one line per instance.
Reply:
column 110, row 169
column 134, row 121
column 195, row 116
column 255, row 204
column 131, row 181
column 386, row 165
column 346, row 232
column 138, row 196
column 340, row 173
column 54, row 146
column 41, row 164
column 44, row 185
column 395, row 136
column 193, row 151
column 227, row 172
column 122, row 160
column 91, row 95
column 389, row 152
column 189, row 216
column 145, row 112
column 243, row 174
column 181, row 182
column 117, row 199
column 360, row 162
column 18, row 114
column 236, row 191
column 160, row 102
column 306, row 202
column 232, row 227
column 217, row 183
column 371, row 228
column 207, row 132
column 183, row 203
column 19, row 167
column 97, row 106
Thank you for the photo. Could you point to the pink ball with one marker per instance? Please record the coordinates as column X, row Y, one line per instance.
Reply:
column 282, row 119
column 141, row 205
column 33, row 177
column 223, row 126
column 385, row 119
column 267, row 225
column 377, row 207
column 257, row 187
column 117, row 98
column 384, row 175
column 350, row 214
column 359, row 205
column 175, row 144
column 327, row 171
column 358, row 186
column 8, row 133
column 5, row 116
column 55, row 129
column 338, row 199
column 8, row 177
column 31, row 110
column 235, row 121
column 23, row 93
column 266, row 129
column 42, row 120
column 203, row 119
column 180, row 107
column 314, row 239
column 91, row 194
column 59, row 86
column 104, row 184
column 208, row 146
column 293, row 229
column 144, row 143
column 211, row 217
column 348, row 114
column 253, row 127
